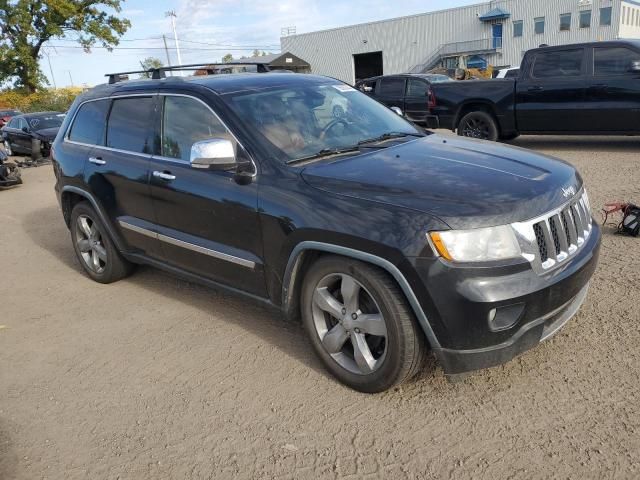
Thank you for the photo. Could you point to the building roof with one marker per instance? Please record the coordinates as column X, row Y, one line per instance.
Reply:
column 495, row 14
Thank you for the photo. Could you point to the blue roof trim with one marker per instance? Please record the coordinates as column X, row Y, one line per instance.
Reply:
column 495, row 14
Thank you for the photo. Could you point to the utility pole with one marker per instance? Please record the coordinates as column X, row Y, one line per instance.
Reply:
column 166, row 49
column 173, row 16
column 53, row 78
column 70, row 78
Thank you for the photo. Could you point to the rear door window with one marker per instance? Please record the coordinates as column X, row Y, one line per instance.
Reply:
column 392, row 87
column 417, row 88
column 613, row 60
column 558, row 64
column 89, row 126
column 185, row 122
column 132, row 126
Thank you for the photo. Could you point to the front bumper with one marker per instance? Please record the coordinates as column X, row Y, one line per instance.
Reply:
column 462, row 298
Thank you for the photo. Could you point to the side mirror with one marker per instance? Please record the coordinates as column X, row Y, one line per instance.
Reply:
column 214, row 154
column 398, row 110
column 635, row 66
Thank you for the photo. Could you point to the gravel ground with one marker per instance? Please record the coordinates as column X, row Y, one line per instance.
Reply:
column 154, row 377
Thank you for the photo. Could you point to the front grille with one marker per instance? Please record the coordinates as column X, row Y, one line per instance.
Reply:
column 561, row 234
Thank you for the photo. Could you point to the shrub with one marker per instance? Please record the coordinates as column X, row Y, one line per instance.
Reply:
column 58, row 100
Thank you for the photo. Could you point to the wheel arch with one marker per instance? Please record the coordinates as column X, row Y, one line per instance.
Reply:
column 473, row 106
column 303, row 255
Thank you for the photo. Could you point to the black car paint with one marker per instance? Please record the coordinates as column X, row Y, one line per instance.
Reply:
column 377, row 207
column 584, row 104
column 21, row 141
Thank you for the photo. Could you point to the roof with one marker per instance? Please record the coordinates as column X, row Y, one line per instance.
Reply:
column 279, row 59
column 221, row 84
column 495, row 14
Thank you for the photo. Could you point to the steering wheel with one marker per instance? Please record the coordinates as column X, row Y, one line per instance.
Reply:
column 331, row 125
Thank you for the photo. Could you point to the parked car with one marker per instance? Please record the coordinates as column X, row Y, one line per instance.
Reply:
column 387, row 241
column 31, row 134
column 6, row 115
column 408, row 92
column 584, row 89
column 512, row 72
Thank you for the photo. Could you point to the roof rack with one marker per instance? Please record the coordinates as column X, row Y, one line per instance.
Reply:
column 210, row 68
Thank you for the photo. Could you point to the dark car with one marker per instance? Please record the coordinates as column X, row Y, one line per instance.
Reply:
column 387, row 241
column 409, row 93
column 580, row 89
column 32, row 134
column 6, row 115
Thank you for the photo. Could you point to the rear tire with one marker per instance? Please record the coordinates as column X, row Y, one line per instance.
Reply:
column 480, row 125
column 371, row 341
column 96, row 252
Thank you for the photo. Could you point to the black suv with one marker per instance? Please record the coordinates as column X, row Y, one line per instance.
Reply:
column 388, row 241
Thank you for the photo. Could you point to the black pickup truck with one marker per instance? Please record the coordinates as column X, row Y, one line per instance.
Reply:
column 589, row 88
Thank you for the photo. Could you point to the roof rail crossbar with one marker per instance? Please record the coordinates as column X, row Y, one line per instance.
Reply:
column 158, row 73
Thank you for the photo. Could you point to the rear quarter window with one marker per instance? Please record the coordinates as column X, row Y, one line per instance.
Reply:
column 90, row 122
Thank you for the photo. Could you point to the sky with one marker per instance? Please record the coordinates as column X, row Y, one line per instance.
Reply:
column 208, row 29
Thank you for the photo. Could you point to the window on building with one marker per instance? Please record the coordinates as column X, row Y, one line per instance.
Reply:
column 613, row 60
column 565, row 22
column 538, row 24
column 605, row 16
column 562, row 63
column 131, row 125
column 517, row 28
column 585, row 19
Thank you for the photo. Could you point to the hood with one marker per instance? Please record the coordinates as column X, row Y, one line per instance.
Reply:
column 465, row 183
column 48, row 134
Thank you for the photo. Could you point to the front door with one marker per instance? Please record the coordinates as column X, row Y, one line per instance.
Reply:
column 117, row 168
column 497, row 35
column 207, row 221
column 551, row 95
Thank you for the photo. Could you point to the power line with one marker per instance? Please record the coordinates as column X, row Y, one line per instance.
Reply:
column 79, row 47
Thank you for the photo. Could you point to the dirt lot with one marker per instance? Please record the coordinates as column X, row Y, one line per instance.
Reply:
column 154, row 377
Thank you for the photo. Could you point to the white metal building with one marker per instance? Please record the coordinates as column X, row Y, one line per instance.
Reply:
column 495, row 33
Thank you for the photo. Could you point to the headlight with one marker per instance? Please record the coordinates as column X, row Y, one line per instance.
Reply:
column 478, row 245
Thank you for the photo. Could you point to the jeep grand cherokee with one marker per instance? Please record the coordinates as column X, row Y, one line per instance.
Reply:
column 387, row 241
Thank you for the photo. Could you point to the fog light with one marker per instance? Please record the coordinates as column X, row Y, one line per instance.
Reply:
column 503, row 318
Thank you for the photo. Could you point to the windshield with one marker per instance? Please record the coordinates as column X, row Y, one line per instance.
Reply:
column 302, row 121
column 49, row 121
column 439, row 78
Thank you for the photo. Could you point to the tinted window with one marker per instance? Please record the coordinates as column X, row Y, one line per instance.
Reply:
column 392, row 86
column 613, row 61
column 416, row 88
column 13, row 123
column 90, row 122
column 565, row 63
column 131, row 125
column 565, row 22
column 585, row 18
column 512, row 74
column 605, row 16
column 517, row 28
column 187, row 121
column 538, row 25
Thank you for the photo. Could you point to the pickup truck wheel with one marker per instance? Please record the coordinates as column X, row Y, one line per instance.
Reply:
column 360, row 324
column 479, row 125
column 95, row 250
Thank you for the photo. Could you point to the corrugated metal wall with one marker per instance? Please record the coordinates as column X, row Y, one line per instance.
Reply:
column 409, row 41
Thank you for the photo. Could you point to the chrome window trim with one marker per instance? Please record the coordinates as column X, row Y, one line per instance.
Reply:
column 66, row 138
column 187, row 245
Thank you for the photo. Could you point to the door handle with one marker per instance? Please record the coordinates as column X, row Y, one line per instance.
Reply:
column 97, row 161
column 164, row 175
column 535, row 89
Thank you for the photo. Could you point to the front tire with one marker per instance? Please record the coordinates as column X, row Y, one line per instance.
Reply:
column 96, row 252
column 480, row 125
column 360, row 325
column 7, row 148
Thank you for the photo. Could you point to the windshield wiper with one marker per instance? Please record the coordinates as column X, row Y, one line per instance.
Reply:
column 389, row 136
column 325, row 152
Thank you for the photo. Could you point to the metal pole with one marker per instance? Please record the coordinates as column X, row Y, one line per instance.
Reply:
column 173, row 16
column 53, row 78
column 70, row 78
column 166, row 49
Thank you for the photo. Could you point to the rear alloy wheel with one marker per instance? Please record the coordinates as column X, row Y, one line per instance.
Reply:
column 7, row 148
column 95, row 250
column 480, row 125
column 360, row 325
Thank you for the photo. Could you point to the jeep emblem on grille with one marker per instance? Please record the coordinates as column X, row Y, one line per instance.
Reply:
column 569, row 191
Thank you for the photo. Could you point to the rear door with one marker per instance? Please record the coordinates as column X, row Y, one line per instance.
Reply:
column 117, row 170
column 613, row 92
column 551, row 96
column 391, row 91
column 416, row 99
column 22, row 136
column 207, row 219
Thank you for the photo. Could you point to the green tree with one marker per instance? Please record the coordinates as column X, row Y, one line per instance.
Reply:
column 148, row 63
column 26, row 25
column 227, row 58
